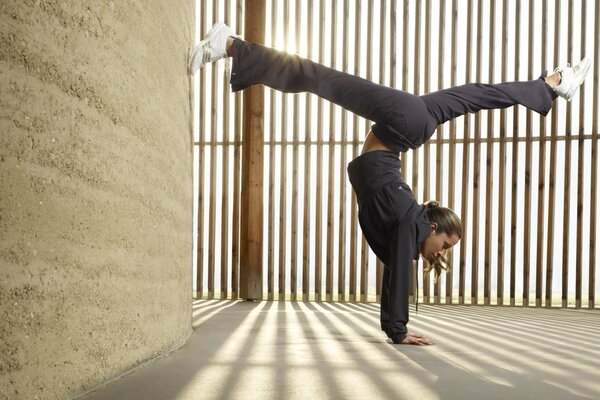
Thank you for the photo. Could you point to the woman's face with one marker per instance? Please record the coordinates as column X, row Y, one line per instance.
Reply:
column 437, row 244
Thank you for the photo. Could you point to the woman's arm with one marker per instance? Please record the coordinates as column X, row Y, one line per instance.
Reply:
column 403, row 249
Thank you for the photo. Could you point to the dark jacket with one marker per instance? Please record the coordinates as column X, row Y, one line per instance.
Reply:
column 394, row 225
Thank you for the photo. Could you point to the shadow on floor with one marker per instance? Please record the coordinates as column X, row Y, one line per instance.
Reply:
column 294, row 350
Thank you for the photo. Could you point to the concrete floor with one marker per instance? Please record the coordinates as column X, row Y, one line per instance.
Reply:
column 289, row 350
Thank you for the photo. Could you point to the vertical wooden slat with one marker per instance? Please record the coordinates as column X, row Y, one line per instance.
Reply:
column 331, row 147
column 201, row 146
column 319, row 191
column 404, row 156
column 452, row 149
column 355, row 130
column 427, row 146
column 567, row 187
column 515, row 163
column 381, row 23
column 439, row 158
column 393, row 16
column 235, row 241
column 369, row 54
column 580, row 169
column 542, row 172
column 553, row 162
column 405, row 44
column 528, row 172
column 502, row 162
column 295, row 162
column 489, row 178
column 417, row 92
column 477, row 168
column 594, row 158
column 466, row 162
column 307, row 168
column 272, row 151
column 213, row 175
column 283, row 170
column 342, row 170
column 225, row 181
column 251, row 278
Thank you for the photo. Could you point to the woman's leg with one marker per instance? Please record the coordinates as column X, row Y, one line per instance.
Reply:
column 447, row 104
column 402, row 121
column 387, row 107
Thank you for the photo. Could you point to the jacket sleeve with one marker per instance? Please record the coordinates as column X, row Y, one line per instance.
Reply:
column 394, row 297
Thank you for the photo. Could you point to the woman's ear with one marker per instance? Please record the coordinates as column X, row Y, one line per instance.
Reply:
column 434, row 226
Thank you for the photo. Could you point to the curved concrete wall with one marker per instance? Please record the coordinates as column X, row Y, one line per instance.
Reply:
column 95, row 190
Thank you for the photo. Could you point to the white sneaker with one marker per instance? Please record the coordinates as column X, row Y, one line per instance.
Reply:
column 212, row 48
column 571, row 78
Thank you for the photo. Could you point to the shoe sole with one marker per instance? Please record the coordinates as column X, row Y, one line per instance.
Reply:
column 199, row 47
column 582, row 75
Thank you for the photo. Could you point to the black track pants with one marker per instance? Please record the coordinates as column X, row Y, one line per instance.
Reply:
column 402, row 120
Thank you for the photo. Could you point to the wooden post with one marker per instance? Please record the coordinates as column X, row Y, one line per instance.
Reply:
column 252, row 168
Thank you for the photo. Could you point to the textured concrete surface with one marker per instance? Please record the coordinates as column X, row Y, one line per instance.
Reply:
column 95, row 190
column 288, row 350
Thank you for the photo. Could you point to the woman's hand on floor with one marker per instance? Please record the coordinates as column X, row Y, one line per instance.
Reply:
column 416, row 339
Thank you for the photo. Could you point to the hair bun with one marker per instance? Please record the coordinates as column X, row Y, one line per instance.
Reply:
column 432, row 204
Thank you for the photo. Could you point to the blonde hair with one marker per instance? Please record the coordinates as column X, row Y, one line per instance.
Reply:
column 447, row 222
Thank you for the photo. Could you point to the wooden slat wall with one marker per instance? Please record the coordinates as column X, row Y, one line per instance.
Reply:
column 310, row 141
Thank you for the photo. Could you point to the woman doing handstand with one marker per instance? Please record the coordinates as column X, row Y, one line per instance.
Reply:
column 396, row 227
